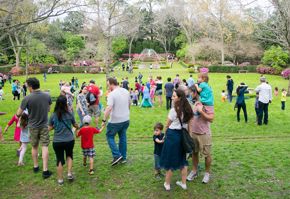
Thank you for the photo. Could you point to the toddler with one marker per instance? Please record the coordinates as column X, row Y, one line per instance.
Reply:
column 224, row 96
column 283, row 98
column 135, row 97
column 87, row 133
column 206, row 95
column 276, row 91
column 158, row 139
column 24, row 136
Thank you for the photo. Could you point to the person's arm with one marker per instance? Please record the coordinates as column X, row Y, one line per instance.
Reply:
column 168, row 123
column 198, row 88
column 159, row 141
column 50, row 128
column 80, row 107
column 107, row 112
column 270, row 94
column 208, row 116
column 258, row 89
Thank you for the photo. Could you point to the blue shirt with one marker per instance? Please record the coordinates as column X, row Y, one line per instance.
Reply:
column 241, row 97
column 169, row 89
column 190, row 82
column 206, row 96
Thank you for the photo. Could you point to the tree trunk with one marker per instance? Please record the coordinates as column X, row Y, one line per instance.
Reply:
column 17, row 58
column 222, row 49
column 130, row 46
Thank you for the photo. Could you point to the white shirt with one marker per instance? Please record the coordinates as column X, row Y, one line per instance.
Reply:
column 265, row 93
column 1, row 92
column 119, row 100
column 172, row 116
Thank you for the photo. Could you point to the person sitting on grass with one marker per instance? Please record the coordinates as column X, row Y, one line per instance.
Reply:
column 87, row 134
column 158, row 139
column 206, row 95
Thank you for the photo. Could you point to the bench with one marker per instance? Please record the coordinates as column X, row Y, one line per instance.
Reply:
column 243, row 71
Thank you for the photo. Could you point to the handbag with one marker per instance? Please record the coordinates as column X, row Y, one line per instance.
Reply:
column 186, row 140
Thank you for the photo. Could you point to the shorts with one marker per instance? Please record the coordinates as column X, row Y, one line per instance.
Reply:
column 94, row 111
column 39, row 134
column 61, row 147
column 89, row 152
column 202, row 144
column 158, row 92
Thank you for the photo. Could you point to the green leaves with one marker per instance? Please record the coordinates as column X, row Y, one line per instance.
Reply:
column 276, row 57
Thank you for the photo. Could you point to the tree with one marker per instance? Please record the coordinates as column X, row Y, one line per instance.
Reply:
column 74, row 44
column 119, row 46
column 74, row 22
column 276, row 57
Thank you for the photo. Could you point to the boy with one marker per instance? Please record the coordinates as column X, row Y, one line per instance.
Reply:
column 87, row 133
column 158, row 139
column 206, row 95
column 283, row 98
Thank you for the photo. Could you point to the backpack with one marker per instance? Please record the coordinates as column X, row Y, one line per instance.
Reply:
column 91, row 98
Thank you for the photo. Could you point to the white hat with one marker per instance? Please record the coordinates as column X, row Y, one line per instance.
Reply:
column 87, row 119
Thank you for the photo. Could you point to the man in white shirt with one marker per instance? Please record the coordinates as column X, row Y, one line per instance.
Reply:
column 265, row 97
column 118, row 107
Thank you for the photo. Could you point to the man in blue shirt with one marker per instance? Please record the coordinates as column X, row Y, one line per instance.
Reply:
column 169, row 87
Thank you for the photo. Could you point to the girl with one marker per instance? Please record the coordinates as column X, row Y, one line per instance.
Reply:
column 82, row 104
column 206, row 95
column 152, row 93
column 159, row 90
column 63, row 139
column 24, row 136
column 17, row 131
column 146, row 101
column 276, row 91
column 283, row 98
column 172, row 156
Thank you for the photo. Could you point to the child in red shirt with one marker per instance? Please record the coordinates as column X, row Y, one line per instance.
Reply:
column 87, row 133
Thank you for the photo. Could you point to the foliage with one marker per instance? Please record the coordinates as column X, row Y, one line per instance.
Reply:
column 275, row 57
column 181, row 53
column 74, row 22
column 119, row 46
column 164, row 67
column 73, row 44
column 286, row 73
column 16, row 71
column 266, row 70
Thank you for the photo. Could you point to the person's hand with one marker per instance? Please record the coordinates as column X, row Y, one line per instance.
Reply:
column 83, row 114
column 199, row 108
column 6, row 128
column 270, row 101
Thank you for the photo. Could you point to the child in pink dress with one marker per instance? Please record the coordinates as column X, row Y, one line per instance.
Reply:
column 17, row 130
column 152, row 93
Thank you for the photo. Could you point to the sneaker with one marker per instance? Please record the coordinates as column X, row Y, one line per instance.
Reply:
column 91, row 171
column 157, row 176
column 123, row 161
column 60, row 182
column 183, row 186
column 191, row 176
column 46, row 174
column 35, row 169
column 116, row 161
column 70, row 177
column 84, row 164
column 205, row 179
column 167, row 186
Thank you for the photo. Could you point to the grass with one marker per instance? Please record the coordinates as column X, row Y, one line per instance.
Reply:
column 248, row 161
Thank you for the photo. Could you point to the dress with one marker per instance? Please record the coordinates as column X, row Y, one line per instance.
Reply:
column 24, row 136
column 146, row 101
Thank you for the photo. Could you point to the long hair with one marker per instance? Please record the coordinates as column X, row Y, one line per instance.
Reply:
column 60, row 106
column 23, row 120
column 182, row 107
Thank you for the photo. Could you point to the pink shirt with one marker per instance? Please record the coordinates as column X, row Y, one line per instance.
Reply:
column 17, row 129
column 199, row 124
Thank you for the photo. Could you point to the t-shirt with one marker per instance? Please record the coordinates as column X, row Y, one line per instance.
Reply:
column 199, row 124
column 61, row 131
column 87, row 136
column 169, row 89
column 158, row 146
column 38, row 104
column 175, row 124
column 206, row 96
column 283, row 96
column 125, row 84
column 159, row 85
column 83, row 101
column 119, row 99
column 190, row 82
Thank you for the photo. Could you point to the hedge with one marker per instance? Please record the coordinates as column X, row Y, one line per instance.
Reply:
column 227, row 69
column 164, row 67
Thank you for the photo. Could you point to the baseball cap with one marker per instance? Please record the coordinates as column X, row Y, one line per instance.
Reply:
column 87, row 119
column 263, row 79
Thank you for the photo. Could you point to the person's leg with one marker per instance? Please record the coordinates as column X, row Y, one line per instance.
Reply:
column 244, row 107
column 207, row 163
column 69, row 157
column 170, row 103
column 195, row 160
column 167, row 103
column 34, row 153
column 111, row 133
column 183, row 174
column 260, row 114
column 45, row 157
column 266, row 113
column 91, row 163
column 85, row 160
column 168, row 176
column 123, row 139
column 283, row 105
column 238, row 112
column 59, row 172
column 44, row 139
column 22, row 153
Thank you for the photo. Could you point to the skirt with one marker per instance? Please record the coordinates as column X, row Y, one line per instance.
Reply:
column 172, row 156
column 146, row 103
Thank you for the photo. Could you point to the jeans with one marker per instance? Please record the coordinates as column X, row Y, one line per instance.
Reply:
column 243, row 106
column 112, row 130
column 263, row 110
column 230, row 95
column 157, row 162
column 168, row 102
column 283, row 105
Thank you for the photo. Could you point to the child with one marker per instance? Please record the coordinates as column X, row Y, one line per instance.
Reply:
column 158, row 139
column 24, row 136
column 1, row 93
column 146, row 101
column 257, row 106
column 224, row 96
column 276, row 91
column 87, row 133
column 17, row 131
column 206, row 96
column 283, row 98
column 152, row 93
column 135, row 97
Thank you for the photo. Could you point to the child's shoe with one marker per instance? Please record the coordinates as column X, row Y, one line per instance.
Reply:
column 20, row 164
column 60, row 182
column 91, row 171
column 70, row 177
column 167, row 186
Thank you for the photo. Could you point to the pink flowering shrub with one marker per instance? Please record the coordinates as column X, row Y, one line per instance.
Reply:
column 203, row 70
column 286, row 73
column 16, row 71
column 266, row 70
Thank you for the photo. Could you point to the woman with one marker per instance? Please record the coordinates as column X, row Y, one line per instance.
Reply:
column 63, row 140
column 242, row 88
column 82, row 105
column 200, row 132
column 159, row 90
column 173, row 157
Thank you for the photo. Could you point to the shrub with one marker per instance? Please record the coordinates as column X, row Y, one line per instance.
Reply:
column 135, row 67
column 164, row 67
column 16, row 71
column 190, row 70
column 286, row 73
column 267, row 70
column 203, row 70
column 275, row 57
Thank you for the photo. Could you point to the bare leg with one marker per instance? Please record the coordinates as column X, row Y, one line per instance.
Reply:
column 34, row 153
column 91, row 163
column 85, row 160
column 69, row 165
column 207, row 163
column 59, row 171
column 45, row 157
column 183, row 175
column 195, row 161
column 168, row 176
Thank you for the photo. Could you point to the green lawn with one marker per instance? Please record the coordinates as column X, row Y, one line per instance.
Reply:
column 248, row 161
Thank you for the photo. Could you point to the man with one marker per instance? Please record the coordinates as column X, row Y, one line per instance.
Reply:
column 38, row 105
column 118, row 107
column 169, row 87
column 200, row 132
column 265, row 97
column 190, row 81
column 125, row 84
column 93, row 98
column 230, row 87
